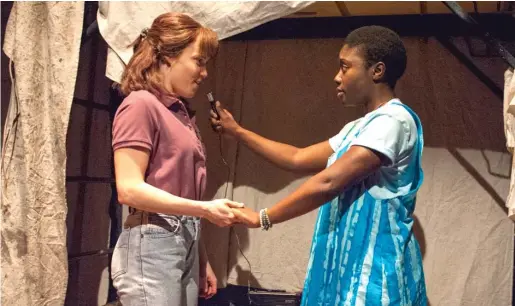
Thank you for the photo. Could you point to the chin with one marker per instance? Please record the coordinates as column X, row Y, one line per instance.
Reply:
column 188, row 94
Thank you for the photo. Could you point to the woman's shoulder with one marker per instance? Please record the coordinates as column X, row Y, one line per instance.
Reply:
column 395, row 109
column 141, row 97
column 140, row 103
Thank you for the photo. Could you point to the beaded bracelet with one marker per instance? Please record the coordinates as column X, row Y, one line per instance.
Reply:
column 264, row 220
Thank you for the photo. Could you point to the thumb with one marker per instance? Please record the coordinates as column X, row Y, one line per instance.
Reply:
column 219, row 107
column 239, row 214
column 233, row 204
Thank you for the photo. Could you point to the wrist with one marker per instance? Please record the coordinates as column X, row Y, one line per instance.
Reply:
column 204, row 211
column 237, row 132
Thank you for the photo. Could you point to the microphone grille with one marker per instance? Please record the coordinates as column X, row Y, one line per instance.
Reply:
column 210, row 97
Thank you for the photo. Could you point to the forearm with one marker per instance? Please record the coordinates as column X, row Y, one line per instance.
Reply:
column 149, row 198
column 312, row 194
column 280, row 154
column 203, row 259
column 355, row 165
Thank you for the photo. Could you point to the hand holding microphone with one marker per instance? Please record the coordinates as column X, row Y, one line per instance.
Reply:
column 221, row 119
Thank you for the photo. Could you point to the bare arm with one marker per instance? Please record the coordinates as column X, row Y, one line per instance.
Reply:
column 312, row 158
column 356, row 164
column 130, row 166
column 207, row 277
column 203, row 259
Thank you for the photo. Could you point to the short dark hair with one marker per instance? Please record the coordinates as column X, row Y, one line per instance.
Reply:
column 380, row 44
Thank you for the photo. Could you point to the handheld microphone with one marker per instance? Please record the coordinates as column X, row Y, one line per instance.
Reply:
column 211, row 100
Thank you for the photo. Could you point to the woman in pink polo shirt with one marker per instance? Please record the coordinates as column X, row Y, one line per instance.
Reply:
column 160, row 168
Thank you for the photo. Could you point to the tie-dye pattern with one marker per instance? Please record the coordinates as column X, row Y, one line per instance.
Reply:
column 363, row 250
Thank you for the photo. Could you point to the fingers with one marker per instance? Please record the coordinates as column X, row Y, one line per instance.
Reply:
column 213, row 115
column 211, row 292
column 213, row 118
column 239, row 214
column 241, row 217
column 227, row 220
column 211, row 288
column 223, row 212
column 233, row 204
column 216, row 126
column 219, row 107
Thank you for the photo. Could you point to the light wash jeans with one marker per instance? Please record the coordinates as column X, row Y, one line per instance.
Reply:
column 155, row 261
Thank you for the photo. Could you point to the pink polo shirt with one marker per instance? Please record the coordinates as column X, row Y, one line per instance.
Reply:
column 177, row 161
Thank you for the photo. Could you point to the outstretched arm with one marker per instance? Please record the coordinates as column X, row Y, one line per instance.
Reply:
column 309, row 159
column 130, row 165
column 353, row 166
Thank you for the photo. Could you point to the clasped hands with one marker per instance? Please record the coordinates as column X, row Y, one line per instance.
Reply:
column 225, row 212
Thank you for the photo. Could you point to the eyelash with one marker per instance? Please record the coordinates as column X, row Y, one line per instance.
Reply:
column 200, row 63
column 343, row 66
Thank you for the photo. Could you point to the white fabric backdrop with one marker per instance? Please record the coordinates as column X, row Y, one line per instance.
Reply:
column 42, row 39
column 509, row 131
column 120, row 23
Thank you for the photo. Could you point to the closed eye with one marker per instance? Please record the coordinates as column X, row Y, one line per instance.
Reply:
column 201, row 62
column 343, row 65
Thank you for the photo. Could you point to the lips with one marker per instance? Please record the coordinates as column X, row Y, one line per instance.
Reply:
column 340, row 93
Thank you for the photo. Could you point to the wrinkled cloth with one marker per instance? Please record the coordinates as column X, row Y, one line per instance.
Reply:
column 120, row 23
column 509, row 132
column 43, row 40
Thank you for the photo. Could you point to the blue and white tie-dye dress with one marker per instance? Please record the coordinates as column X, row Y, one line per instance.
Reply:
column 363, row 250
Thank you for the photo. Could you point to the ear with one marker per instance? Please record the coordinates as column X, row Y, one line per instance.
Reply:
column 169, row 61
column 378, row 71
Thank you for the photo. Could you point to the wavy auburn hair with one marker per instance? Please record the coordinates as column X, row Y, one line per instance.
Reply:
column 168, row 36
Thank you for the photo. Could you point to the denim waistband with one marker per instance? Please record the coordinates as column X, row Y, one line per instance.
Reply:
column 140, row 217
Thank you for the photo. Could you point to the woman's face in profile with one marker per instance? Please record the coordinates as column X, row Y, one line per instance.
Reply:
column 184, row 74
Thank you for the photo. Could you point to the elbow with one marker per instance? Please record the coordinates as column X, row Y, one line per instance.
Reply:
column 125, row 194
column 296, row 162
column 330, row 187
column 122, row 199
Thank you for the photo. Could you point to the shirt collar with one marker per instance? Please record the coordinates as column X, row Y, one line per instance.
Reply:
column 169, row 100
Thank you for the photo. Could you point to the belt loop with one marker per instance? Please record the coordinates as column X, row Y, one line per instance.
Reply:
column 196, row 224
column 144, row 217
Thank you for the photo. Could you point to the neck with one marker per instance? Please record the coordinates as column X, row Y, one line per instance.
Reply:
column 168, row 99
column 379, row 97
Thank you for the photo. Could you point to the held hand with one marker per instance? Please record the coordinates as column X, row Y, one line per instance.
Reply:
column 220, row 212
column 226, row 123
column 208, row 282
column 247, row 217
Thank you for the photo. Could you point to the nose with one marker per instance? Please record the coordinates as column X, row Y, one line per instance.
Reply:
column 203, row 73
column 338, row 77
